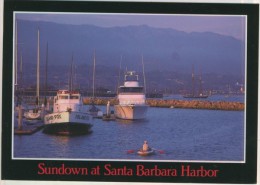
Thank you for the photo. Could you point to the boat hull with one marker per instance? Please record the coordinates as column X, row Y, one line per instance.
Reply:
column 194, row 96
column 145, row 153
column 130, row 112
column 32, row 115
column 67, row 123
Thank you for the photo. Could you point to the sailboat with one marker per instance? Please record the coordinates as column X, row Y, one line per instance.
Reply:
column 200, row 94
column 93, row 110
column 35, row 113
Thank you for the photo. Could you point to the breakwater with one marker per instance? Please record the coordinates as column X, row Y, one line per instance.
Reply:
column 184, row 104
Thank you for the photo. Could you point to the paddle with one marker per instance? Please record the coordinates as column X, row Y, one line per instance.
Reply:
column 130, row 151
column 160, row 151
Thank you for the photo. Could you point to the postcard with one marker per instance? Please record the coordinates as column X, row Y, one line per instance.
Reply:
column 130, row 92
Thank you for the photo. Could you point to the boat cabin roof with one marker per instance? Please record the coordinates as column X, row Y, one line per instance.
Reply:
column 68, row 92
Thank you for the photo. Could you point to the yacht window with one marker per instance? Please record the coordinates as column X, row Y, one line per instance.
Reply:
column 131, row 89
column 64, row 97
column 74, row 97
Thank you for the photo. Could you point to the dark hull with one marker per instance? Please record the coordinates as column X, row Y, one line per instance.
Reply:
column 194, row 96
column 67, row 129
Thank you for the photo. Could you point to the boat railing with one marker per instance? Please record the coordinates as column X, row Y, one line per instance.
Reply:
column 131, row 102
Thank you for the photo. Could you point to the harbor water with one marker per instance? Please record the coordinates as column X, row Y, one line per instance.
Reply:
column 176, row 134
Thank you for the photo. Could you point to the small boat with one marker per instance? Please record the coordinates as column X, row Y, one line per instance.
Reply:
column 145, row 153
column 94, row 111
column 33, row 114
column 131, row 97
column 68, row 117
column 195, row 96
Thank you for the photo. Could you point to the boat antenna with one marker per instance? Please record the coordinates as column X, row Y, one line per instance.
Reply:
column 46, row 72
column 71, row 74
column 144, row 74
column 119, row 74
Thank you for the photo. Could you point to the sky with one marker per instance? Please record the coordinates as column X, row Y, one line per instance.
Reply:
column 222, row 24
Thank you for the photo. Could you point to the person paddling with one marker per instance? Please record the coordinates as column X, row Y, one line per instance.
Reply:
column 145, row 146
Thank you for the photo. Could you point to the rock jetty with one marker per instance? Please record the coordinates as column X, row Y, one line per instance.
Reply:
column 184, row 104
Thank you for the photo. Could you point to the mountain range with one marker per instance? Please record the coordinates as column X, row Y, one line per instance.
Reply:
column 161, row 48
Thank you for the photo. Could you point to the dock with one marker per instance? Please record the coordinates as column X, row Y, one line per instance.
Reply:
column 28, row 129
column 110, row 117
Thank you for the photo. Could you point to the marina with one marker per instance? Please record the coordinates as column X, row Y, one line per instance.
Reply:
column 182, row 134
column 153, row 95
column 116, row 118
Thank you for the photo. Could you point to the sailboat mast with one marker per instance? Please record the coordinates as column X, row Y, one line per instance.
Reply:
column 144, row 74
column 119, row 75
column 15, row 55
column 193, row 80
column 94, row 70
column 38, row 69
column 21, row 70
column 200, row 90
column 46, row 72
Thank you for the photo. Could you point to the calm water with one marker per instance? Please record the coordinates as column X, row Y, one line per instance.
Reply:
column 182, row 134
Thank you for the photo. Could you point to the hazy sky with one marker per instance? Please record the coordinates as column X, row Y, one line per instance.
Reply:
column 226, row 25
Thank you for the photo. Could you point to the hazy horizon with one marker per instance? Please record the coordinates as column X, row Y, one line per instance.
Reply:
column 233, row 26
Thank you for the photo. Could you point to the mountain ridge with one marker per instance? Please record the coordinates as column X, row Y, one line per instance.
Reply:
column 162, row 48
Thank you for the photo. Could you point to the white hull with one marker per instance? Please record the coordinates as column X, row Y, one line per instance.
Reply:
column 66, row 117
column 67, row 123
column 32, row 115
column 131, row 112
column 145, row 153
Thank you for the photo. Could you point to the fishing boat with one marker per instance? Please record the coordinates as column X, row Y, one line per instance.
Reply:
column 69, row 116
column 131, row 97
column 36, row 112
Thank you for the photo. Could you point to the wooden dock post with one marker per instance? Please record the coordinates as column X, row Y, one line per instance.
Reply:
column 20, row 117
column 108, row 109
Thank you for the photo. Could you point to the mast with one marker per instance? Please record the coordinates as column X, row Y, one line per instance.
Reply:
column 46, row 80
column 144, row 74
column 15, row 83
column 38, row 70
column 193, row 79
column 21, row 70
column 119, row 75
column 94, row 70
column 200, row 90
column 71, row 74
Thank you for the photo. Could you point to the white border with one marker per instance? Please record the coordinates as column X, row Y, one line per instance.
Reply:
column 134, row 160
